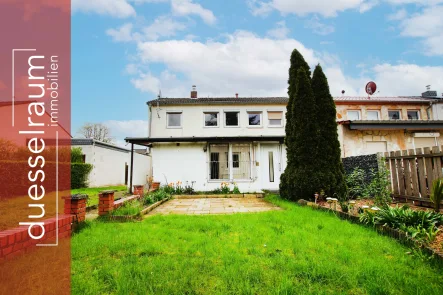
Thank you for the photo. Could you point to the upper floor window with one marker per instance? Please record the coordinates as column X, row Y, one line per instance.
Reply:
column 413, row 115
column 353, row 115
column 372, row 115
column 275, row 118
column 211, row 119
column 231, row 118
column 254, row 118
column 174, row 119
column 394, row 115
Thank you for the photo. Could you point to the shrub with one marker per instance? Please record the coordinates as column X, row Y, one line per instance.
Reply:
column 79, row 175
column 437, row 193
column 356, row 184
column 76, row 155
column 379, row 186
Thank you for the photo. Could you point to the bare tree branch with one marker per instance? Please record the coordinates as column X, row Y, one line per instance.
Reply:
column 96, row 131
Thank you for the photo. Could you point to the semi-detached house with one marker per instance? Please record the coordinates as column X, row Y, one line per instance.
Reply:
column 207, row 141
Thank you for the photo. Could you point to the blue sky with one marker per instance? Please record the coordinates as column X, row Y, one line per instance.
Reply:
column 125, row 51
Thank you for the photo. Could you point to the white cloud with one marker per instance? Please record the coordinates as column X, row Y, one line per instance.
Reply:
column 304, row 7
column 115, row 8
column 318, row 27
column 254, row 66
column 187, row 7
column 131, row 69
column 131, row 128
column 122, row 34
column 163, row 26
column 421, row 2
column 146, row 82
column 428, row 25
column 280, row 32
column 398, row 15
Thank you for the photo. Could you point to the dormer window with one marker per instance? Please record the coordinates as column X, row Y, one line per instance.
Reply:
column 254, row 119
column 413, row 115
column 174, row 119
column 211, row 119
column 353, row 115
column 231, row 119
column 394, row 115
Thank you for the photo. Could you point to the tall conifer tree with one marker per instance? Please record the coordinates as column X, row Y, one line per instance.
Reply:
column 330, row 167
column 297, row 62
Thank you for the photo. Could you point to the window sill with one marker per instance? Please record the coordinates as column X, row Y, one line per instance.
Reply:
column 256, row 127
column 171, row 127
column 232, row 126
column 275, row 126
column 230, row 181
column 211, row 126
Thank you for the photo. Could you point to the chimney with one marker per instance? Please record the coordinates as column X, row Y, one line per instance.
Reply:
column 194, row 91
column 236, row 95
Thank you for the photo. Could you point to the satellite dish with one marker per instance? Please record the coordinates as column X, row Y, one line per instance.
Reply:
column 370, row 88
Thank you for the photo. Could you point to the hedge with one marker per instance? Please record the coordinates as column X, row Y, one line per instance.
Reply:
column 79, row 174
column 366, row 162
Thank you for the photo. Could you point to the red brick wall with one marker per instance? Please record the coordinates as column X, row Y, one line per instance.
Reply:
column 17, row 241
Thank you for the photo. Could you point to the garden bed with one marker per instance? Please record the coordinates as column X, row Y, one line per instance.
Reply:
column 433, row 248
column 212, row 196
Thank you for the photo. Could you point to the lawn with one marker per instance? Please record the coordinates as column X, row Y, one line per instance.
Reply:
column 295, row 251
column 93, row 192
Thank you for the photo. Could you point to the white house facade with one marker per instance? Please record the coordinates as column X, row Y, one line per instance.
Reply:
column 207, row 141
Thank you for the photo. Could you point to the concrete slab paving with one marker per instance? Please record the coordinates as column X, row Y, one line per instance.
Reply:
column 213, row 206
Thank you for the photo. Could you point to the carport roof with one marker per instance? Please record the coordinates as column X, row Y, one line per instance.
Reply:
column 148, row 141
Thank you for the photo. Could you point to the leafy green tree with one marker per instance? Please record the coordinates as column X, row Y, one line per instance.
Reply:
column 301, row 173
column 297, row 62
column 330, row 167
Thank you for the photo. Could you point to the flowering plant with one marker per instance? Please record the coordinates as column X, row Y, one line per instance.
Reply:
column 224, row 187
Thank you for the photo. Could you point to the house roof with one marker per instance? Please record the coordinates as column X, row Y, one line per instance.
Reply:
column 284, row 100
column 90, row 141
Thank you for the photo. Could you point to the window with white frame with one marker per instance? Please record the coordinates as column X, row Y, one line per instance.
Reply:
column 211, row 119
column 275, row 119
column 230, row 161
column 254, row 118
column 353, row 115
column 394, row 115
column 372, row 115
column 231, row 119
column 413, row 115
column 174, row 119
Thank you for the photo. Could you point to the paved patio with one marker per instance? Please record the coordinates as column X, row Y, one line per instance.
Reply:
column 214, row 206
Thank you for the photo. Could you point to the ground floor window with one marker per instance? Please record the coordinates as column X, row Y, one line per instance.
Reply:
column 230, row 161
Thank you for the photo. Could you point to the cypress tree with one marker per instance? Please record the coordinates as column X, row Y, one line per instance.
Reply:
column 297, row 62
column 330, row 167
column 301, row 173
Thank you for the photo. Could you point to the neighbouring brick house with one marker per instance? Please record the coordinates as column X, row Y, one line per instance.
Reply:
column 210, row 140
column 381, row 124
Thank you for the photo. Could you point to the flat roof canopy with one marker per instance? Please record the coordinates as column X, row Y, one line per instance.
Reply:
column 148, row 141
column 411, row 125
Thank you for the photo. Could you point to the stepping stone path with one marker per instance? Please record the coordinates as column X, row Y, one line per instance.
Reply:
column 213, row 206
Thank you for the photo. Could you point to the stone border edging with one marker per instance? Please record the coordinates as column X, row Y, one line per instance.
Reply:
column 123, row 218
column 214, row 196
column 397, row 234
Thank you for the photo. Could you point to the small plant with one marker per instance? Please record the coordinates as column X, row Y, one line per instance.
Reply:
column 236, row 190
column 224, row 188
column 378, row 188
column 189, row 189
column 344, row 206
column 437, row 193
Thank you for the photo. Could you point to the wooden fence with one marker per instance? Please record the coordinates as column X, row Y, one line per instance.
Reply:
column 413, row 171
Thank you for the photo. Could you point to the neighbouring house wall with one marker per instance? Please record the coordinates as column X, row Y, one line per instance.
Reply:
column 109, row 166
column 365, row 142
column 404, row 108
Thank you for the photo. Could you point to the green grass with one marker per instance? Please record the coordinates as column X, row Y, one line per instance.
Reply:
column 295, row 251
column 129, row 208
column 92, row 192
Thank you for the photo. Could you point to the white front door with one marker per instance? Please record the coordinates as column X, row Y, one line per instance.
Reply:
column 270, row 166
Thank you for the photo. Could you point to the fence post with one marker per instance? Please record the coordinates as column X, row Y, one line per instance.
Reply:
column 394, row 174
column 76, row 205
column 407, row 169
column 421, row 172
column 105, row 202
